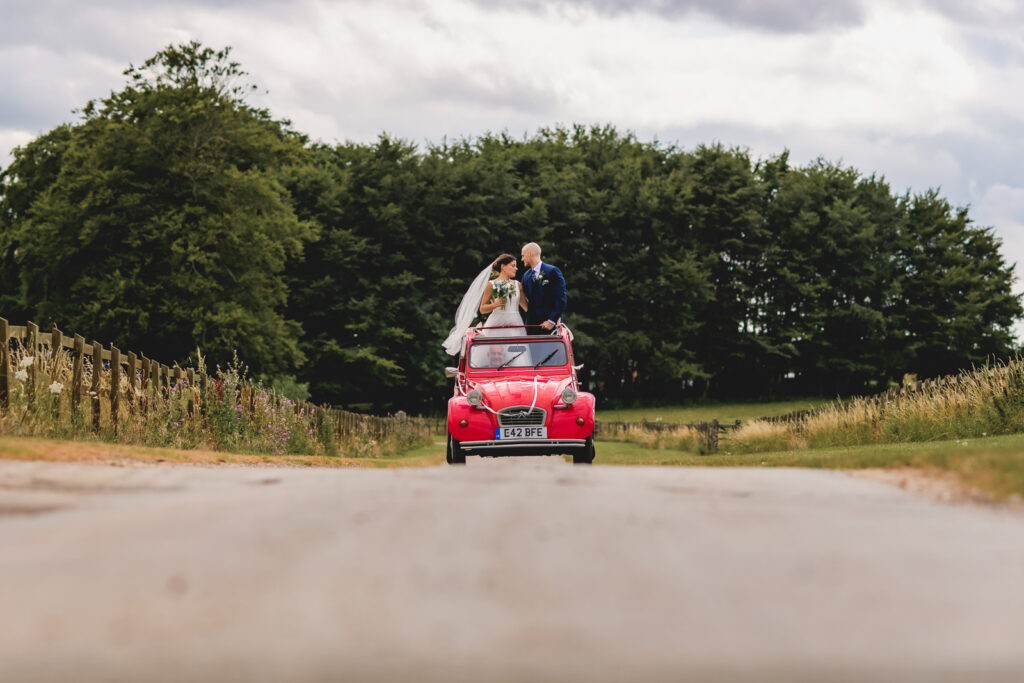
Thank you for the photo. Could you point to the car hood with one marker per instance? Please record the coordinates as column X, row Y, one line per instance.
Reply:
column 499, row 394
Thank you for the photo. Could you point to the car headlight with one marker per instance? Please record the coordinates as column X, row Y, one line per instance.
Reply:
column 474, row 397
column 568, row 396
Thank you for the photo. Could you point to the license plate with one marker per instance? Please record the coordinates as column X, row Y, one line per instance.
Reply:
column 521, row 433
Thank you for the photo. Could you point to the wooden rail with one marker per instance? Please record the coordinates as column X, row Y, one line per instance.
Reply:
column 709, row 430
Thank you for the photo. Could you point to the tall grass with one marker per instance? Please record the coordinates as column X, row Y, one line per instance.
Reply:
column 237, row 413
column 981, row 402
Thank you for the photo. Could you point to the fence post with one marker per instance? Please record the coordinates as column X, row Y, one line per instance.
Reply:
column 97, row 372
column 33, row 348
column 76, row 371
column 713, row 436
column 145, row 383
column 5, row 366
column 56, row 346
column 156, row 380
column 133, row 361
column 165, row 376
column 115, row 386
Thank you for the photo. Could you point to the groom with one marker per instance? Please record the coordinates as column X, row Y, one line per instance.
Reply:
column 544, row 288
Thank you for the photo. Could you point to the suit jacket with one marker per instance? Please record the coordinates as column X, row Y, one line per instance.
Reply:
column 546, row 296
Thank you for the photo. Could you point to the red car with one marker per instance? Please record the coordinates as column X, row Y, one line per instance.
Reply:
column 519, row 396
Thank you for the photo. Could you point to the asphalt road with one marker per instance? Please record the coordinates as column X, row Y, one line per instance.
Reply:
column 508, row 570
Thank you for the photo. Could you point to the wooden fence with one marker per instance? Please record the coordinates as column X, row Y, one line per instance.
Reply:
column 122, row 379
column 709, row 430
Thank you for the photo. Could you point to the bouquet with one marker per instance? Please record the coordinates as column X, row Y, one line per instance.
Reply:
column 503, row 289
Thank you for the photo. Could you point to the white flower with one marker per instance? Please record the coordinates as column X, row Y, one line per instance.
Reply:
column 56, row 388
column 21, row 375
column 27, row 361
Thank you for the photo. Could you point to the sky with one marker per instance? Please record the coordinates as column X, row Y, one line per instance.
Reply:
column 927, row 93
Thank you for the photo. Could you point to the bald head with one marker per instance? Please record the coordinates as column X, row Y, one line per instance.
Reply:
column 531, row 254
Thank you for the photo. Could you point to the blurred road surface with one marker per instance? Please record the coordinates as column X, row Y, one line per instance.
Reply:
column 506, row 570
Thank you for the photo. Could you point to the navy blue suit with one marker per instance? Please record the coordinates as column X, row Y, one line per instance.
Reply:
column 546, row 296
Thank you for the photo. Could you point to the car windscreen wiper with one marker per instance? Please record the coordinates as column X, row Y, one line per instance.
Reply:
column 546, row 358
column 511, row 359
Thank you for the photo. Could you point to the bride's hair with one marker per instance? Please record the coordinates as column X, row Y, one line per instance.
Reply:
column 502, row 260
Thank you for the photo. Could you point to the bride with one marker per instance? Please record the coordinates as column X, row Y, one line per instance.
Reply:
column 500, row 297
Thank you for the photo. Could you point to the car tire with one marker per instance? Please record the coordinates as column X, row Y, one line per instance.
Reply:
column 454, row 454
column 587, row 456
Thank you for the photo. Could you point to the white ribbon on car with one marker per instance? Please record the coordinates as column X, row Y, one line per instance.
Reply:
column 536, row 391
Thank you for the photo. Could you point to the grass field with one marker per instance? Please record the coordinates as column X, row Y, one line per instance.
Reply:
column 700, row 412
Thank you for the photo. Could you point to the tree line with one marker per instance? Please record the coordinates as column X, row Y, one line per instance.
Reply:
column 174, row 215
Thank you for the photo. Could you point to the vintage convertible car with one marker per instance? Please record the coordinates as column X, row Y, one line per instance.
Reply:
column 519, row 396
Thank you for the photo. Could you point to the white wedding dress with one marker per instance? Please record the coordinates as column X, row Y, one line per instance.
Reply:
column 509, row 315
column 469, row 308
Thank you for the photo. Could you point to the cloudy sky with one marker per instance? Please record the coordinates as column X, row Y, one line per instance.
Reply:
column 928, row 93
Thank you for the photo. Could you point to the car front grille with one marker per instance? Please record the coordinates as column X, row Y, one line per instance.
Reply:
column 516, row 416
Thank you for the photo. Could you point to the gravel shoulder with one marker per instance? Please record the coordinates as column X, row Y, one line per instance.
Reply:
column 937, row 485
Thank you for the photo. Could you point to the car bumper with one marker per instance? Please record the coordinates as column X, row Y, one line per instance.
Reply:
column 523, row 446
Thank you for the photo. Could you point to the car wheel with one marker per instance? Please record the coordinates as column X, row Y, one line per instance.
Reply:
column 454, row 455
column 587, row 456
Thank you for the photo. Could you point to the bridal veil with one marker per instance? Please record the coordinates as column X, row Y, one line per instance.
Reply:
column 468, row 310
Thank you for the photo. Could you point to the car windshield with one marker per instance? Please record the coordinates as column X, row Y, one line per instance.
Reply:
column 517, row 354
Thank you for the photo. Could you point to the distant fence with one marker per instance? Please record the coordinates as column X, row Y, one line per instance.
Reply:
column 709, row 430
column 122, row 379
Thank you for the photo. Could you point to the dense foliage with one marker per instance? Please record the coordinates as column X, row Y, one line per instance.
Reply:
column 158, row 222
column 176, row 215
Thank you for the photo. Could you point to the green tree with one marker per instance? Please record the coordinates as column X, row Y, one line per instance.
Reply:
column 158, row 222
column 957, row 303
column 363, row 290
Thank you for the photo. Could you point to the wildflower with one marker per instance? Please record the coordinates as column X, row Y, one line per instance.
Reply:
column 238, row 408
column 56, row 388
column 21, row 375
column 27, row 361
